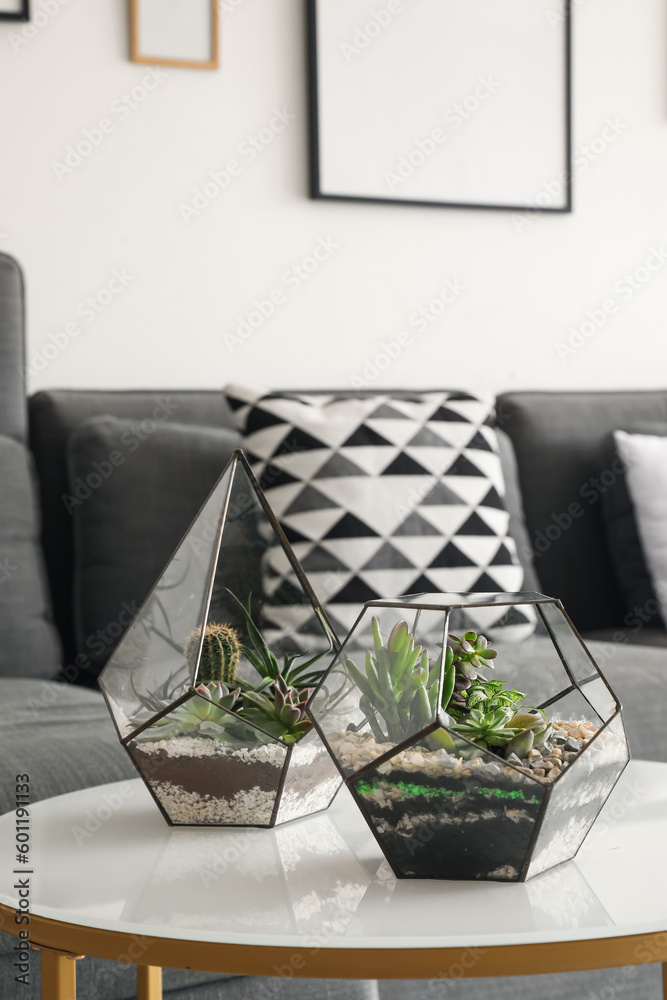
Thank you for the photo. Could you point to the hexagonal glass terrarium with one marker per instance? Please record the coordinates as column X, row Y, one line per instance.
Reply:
column 208, row 686
column 475, row 732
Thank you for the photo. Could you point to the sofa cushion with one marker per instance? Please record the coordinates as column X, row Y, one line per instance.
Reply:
column 381, row 494
column 29, row 644
column 53, row 416
column 135, row 487
column 561, row 441
column 72, row 742
column 625, row 545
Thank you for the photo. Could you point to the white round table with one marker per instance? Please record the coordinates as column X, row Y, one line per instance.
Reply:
column 315, row 898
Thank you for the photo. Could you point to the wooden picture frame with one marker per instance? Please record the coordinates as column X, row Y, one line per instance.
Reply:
column 158, row 36
column 394, row 94
column 14, row 10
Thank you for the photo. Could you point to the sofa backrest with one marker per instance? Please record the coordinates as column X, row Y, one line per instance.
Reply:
column 565, row 457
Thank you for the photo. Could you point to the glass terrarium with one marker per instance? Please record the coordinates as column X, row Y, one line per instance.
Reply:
column 475, row 732
column 208, row 687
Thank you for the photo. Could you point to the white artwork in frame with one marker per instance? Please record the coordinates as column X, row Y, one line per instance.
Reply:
column 175, row 32
column 14, row 10
column 441, row 102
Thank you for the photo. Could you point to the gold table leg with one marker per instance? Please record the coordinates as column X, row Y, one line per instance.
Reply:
column 58, row 975
column 149, row 982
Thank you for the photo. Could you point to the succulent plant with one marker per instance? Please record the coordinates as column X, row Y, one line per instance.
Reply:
column 267, row 664
column 399, row 688
column 484, row 695
column 487, row 729
column 220, row 653
column 202, row 715
column 469, row 653
column 502, row 731
column 283, row 715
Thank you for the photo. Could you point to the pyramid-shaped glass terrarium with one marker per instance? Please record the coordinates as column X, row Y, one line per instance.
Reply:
column 491, row 761
column 208, row 686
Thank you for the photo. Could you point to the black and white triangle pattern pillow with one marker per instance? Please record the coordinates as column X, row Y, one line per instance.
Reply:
column 380, row 495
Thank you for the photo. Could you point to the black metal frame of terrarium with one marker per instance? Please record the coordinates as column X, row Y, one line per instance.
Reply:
column 484, row 817
column 215, row 742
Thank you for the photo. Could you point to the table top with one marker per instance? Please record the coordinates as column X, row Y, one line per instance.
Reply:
column 105, row 858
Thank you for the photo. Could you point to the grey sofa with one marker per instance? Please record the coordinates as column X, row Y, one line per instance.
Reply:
column 554, row 444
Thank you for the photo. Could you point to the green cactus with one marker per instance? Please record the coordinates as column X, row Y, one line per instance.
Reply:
column 220, row 653
column 399, row 688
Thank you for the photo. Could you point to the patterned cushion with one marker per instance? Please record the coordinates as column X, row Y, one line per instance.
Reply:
column 382, row 495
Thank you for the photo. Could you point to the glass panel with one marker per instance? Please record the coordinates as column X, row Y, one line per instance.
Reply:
column 469, row 600
column 148, row 670
column 205, row 766
column 578, row 796
column 383, row 688
column 439, row 815
column 581, row 666
column 312, row 779
column 254, row 569
column 527, row 660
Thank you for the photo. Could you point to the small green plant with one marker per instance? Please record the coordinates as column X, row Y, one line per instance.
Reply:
column 484, row 695
column 267, row 664
column 468, row 653
column 198, row 716
column 399, row 688
column 504, row 732
column 220, row 652
column 283, row 715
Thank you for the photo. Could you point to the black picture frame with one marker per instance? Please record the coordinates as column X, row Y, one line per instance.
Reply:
column 17, row 15
column 315, row 186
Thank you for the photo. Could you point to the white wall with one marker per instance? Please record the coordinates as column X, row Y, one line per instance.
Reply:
column 119, row 210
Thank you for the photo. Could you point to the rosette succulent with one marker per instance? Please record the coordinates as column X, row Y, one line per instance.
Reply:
column 504, row 732
column 205, row 714
column 282, row 715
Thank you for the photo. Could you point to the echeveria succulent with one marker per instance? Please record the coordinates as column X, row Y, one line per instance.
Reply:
column 282, row 715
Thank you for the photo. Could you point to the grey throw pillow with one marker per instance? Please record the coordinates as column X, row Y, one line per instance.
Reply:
column 29, row 644
column 134, row 490
column 625, row 547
